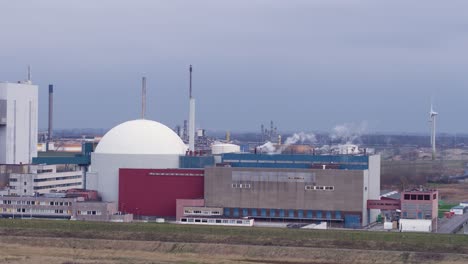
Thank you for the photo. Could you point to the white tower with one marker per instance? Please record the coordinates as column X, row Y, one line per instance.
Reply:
column 432, row 120
column 191, row 116
column 18, row 122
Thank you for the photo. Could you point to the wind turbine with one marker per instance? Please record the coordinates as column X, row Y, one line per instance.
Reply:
column 432, row 120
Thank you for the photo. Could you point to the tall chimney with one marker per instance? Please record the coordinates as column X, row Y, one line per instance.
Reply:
column 29, row 75
column 191, row 115
column 51, row 115
column 143, row 97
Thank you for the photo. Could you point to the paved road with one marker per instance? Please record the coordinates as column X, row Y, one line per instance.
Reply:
column 453, row 224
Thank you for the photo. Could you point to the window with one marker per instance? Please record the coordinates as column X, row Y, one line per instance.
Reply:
column 420, row 197
column 413, row 197
column 407, row 196
column 427, row 197
column 25, row 183
column 319, row 188
column 434, row 196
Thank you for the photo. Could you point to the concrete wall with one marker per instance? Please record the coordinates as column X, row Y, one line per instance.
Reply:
column 181, row 203
column 103, row 174
column 285, row 189
column 374, row 184
column 105, row 209
column 18, row 137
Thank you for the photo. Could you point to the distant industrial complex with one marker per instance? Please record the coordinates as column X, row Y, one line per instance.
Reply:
column 142, row 170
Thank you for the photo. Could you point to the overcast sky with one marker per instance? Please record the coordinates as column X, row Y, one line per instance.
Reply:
column 307, row 65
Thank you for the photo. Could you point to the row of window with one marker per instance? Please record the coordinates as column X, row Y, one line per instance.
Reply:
column 35, row 211
column 283, row 213
column 201, row 212
column 45, row 170
column 58, row 178
column 216, row 221
column 420, row 197
column 57, row 186
column 89, row 212
column 36, row 203
column 307, row 187
column 319, row 188
column 241, row 185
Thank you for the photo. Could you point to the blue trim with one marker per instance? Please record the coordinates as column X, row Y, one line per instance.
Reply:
column 346, row 162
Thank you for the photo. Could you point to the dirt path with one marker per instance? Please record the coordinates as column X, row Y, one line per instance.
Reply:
column 14, row 249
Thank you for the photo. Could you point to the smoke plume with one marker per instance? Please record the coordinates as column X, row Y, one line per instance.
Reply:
column 348, row 132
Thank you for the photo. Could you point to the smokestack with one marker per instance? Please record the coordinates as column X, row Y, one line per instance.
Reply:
column 29, row 74
column 51, row 114
column 143, row 97
column 191, row 115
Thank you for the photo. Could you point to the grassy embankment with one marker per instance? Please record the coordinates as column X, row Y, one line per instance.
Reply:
column 418, row 242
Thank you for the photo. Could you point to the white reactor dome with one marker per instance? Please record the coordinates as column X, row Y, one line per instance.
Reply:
column 141, row 136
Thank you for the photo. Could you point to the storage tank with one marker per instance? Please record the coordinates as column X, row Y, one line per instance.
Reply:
column 221, row 148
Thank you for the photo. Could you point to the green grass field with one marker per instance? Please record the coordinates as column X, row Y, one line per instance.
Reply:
column 419, row 242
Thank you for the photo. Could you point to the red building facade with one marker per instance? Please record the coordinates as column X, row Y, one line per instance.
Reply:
column 153, row 192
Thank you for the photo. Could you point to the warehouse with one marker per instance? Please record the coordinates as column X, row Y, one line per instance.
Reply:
column 294, row 194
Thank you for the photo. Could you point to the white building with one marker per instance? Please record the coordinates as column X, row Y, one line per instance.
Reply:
column 43, row 179
column 18, row 122
column 458, row 210
column 134, row 144
column 415, row 225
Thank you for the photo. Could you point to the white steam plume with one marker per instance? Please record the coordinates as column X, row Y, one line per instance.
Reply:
column 268, row 147
column 300, row 137
column 348, row 132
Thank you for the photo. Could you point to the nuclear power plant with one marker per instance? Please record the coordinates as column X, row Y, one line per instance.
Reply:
column 143, row 170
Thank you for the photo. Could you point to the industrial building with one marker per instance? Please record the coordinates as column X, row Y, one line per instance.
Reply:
column 18, row 122
column 420, row 204
column 264, row 187
column 292, row 194
column 40, row 179
column 60, row 206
